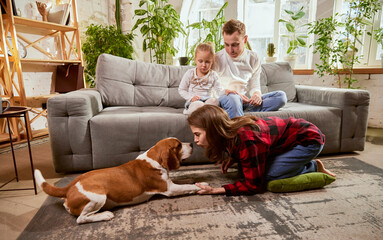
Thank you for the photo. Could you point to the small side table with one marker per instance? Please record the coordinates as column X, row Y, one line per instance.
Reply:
column 15, row 112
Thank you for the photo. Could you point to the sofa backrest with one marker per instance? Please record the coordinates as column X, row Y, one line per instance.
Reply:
column 278, row 76
column 125, row 82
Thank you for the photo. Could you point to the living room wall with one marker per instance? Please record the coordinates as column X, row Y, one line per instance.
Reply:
column 39, row 78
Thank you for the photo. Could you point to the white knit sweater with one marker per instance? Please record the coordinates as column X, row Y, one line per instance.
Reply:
column 191, row 85
column 241, row 74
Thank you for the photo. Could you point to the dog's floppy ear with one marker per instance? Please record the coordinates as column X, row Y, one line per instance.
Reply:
column 170, row 159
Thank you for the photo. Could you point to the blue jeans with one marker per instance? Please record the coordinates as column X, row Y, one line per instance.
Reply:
column 234, row 107
column 297, row 161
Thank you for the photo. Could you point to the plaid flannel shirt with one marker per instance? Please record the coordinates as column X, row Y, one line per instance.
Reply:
column 252, row 147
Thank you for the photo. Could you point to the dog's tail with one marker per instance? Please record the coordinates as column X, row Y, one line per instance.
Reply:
column 47, row 188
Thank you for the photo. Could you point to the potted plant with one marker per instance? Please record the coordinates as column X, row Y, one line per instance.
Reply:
column 295, row 40
column 105, row 39
column 270, row 53
column 213, row 30
column 378, row 36
column 159, row 25
column 184, row 60
column 337, row 39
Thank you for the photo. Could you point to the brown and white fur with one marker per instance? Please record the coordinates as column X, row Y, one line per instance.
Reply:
column 131, row 183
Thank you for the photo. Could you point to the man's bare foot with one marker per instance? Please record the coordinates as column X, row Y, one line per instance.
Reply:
column 322, row 169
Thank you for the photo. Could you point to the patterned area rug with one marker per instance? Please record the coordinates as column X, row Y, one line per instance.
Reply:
column 349, row 208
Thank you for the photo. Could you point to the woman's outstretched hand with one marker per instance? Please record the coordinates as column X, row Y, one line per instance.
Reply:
column 206, row 189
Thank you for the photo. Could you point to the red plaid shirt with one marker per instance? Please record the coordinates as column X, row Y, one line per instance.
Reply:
column 252, row 148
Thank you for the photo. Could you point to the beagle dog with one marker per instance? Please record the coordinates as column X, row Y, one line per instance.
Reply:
column 131, row 183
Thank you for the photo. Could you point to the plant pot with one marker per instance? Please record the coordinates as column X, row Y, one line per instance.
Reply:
column 183, row 61
column 291, row 60
column 381, row 59
column 270, row 59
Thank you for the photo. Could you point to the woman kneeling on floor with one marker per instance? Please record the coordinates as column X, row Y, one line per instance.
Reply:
column 265, row 149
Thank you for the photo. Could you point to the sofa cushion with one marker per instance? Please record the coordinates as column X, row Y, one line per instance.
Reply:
column 278, row 76
column 124, row 82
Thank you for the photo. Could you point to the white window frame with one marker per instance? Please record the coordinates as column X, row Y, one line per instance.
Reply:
column 186, row 9
column 276, row 38
column 374, row 46
column 370, row 45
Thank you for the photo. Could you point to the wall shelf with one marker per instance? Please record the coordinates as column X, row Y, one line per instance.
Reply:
column 30, row 60
column 44, row 25
column 31, row 33
column 22, row 23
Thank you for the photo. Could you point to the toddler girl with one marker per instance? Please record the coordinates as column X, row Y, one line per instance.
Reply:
column 197, row 84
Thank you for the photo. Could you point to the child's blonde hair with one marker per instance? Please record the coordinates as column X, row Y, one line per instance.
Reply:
column 208, row 46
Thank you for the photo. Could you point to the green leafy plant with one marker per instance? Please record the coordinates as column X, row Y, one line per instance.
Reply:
column 185, row 59
column 330, row 51
column 338, row 38
column 105, row 39
column 212, row 29
column 159, row 25
column 293, row 26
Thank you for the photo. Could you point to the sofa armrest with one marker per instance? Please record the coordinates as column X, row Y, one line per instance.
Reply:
column 68, row 124
column 354, row 104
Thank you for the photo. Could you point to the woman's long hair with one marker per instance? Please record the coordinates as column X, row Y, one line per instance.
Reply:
column 220, row 129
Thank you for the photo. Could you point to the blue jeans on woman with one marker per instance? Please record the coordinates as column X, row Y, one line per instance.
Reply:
column 297, row 161
column 234, row 107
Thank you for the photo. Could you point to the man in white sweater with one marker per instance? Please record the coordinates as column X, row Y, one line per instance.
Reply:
column 239, row 70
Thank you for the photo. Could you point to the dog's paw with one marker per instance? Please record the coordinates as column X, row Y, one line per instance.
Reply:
column 106, row 215
column 193, row 189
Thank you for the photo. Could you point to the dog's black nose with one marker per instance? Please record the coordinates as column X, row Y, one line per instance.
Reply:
column 191, row 145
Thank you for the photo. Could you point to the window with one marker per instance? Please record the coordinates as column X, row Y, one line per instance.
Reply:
column 368, row 50
column 374, row 59
column 262, row 26
column 193, row 11
column 202, row 10
column 261, row 19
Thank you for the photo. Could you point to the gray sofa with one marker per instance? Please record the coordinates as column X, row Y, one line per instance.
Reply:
column 136, row 104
